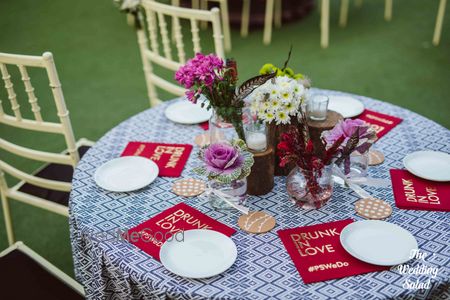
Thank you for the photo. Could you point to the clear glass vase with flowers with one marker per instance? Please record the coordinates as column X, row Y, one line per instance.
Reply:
column 226, row 165
column 353, row 157
column 210, row 76
column 310, row 183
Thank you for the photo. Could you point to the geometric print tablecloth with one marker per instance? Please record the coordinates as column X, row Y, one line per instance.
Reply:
column 113, row 269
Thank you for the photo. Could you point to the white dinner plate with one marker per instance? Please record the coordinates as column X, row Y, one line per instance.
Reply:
column 202, row 254
column 348, row 107
column 185, row 112
column 378, row 242
column 431, row 165
column 125, row 174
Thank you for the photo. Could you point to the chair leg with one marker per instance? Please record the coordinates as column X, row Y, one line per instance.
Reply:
column 324, row 23
column 268, row 20
column 151, row 91
column 177, row 4
column 343, row 14
column 226, row 24
column 7, row 216
column 388, row 10
column 278, row 19
column 358, row 3
column 439, row 22
column 245, row 17
column 203, row 6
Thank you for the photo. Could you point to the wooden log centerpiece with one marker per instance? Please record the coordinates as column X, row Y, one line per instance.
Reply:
column 261, row 178
column 317, row 127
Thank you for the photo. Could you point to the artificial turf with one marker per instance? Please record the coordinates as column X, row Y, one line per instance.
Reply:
column 99, row 66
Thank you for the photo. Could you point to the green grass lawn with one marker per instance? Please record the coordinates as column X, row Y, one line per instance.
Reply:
column 99, row 66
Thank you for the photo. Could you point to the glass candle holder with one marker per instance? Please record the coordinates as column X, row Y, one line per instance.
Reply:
column 256, row 136
column 318, row 107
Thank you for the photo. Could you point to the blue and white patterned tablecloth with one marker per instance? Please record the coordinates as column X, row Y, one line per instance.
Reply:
column 118, row 270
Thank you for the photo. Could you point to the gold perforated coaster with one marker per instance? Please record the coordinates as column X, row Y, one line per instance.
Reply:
column 375, row 157
column 256, row 222
column 188, row 187
column 374, row 209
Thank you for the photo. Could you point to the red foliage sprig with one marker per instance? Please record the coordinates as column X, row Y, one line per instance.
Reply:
column 297, row 147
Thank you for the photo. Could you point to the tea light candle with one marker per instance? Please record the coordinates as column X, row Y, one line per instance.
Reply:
column 257, row 141
column 317, row 108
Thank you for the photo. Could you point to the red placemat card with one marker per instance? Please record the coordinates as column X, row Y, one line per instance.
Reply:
column 382, row 123
column 412, row 192
column 170, row 158
column 318, row 255
column 150, row 235
column 204, row 125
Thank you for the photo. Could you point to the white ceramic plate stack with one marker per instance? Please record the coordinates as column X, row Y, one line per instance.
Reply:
column 347, row 106
column 202, row 254
column 126, row 174
column 185, row 112
column 378, row 242
column 430, row 165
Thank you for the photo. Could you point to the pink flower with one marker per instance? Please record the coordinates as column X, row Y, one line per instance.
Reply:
column 346, row 128
column 200, row 71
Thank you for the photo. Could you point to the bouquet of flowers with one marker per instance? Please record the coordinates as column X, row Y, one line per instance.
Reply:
column 297, row 147
column 225, row 162
column 208, row 75
column 278, row 99
column 358, row 136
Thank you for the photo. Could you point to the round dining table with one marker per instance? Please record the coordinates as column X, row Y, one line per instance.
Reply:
column 116, row 269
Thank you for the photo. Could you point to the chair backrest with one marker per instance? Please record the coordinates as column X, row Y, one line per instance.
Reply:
column 63, row 127
column 156, row 14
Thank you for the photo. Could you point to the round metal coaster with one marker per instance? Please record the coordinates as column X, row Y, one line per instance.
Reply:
column 374, row 209
column 256, row 222
column 375, row 157
column 188, row 187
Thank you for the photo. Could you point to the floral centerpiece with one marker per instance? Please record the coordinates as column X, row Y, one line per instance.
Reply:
column 226, row 165
column 354, row 153
column 210, row 76
column 278, row 102
column 310, row 184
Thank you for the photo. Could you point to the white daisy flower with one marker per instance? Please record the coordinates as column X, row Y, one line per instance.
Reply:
column 290, row 108
column 268, row 117
column 282, row 118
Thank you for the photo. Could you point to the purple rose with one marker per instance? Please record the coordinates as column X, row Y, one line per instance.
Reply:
column 222, row 158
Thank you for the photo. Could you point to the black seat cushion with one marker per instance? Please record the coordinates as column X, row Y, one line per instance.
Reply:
column 23, row 278
column 54, row 172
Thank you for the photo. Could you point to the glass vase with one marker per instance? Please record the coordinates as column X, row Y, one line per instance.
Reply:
column 237, row 189
column 359, row 164
column 221, row 130
column 309, row 189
